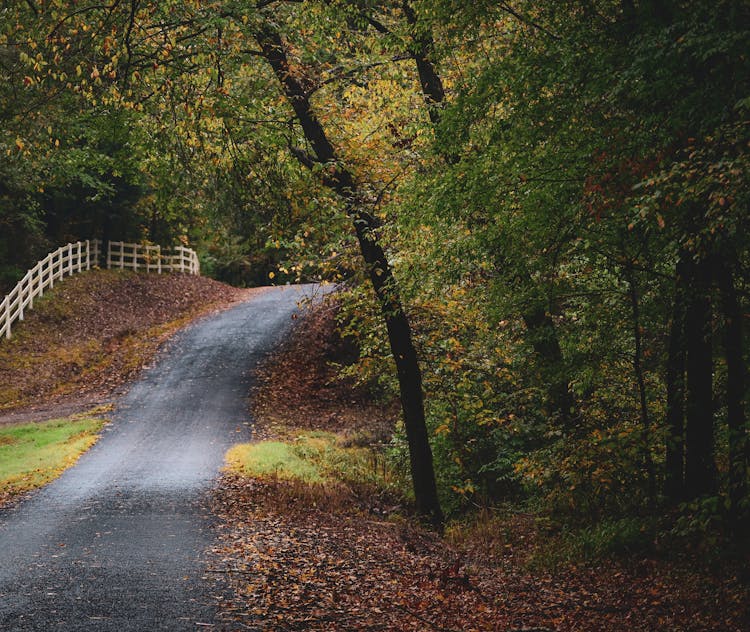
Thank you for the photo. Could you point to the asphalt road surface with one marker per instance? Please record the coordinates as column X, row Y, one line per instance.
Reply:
column 118, row 542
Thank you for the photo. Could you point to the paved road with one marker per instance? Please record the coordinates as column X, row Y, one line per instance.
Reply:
column 117, row 542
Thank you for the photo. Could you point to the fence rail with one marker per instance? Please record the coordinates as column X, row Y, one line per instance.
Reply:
column 150, row 258
column 83, row 255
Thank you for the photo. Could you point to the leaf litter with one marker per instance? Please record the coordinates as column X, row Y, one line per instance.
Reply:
column 297, row 556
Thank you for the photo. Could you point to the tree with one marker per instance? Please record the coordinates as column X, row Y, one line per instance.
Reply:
column 338, row 178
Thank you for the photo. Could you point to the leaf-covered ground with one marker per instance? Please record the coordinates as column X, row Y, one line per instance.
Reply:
column 91, row 334
column 312, row 557
column 300, row 560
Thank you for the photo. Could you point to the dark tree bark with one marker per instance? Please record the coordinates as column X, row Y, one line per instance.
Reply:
column 674, row 481
column 422, row 49
column 543, row 338
column 381, row 276
column 431, row 85
column 648, row 461
column 732, row 337
column 700, row 468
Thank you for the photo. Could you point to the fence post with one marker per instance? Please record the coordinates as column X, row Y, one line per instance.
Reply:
column 70, row 259
column 31, row 287
column 6, row 317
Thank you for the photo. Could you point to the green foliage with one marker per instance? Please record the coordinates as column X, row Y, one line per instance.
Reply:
column 625, row 537
column 534, row 218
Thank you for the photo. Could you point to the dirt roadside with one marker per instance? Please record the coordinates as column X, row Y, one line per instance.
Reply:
column 93, row 334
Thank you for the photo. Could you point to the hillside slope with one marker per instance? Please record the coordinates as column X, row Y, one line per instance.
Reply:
column 92, row 333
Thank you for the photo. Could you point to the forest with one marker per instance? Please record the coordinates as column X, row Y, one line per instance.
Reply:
column 537, row 213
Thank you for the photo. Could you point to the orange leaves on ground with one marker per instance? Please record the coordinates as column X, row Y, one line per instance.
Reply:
column 300, row 560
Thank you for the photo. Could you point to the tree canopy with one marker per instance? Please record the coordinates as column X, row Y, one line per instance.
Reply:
column 539, row 211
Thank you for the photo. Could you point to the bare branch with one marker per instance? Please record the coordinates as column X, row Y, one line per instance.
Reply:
column 348, row 74
column 528, row 21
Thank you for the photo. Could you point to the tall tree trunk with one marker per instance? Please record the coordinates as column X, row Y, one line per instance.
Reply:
column 421, row 50
column 700, row 468
column 648, row 461
column 732, row 335
column 430, row 83
column 381, row 276
column 674, row 481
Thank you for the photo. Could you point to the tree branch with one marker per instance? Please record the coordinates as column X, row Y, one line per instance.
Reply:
column 522, row 18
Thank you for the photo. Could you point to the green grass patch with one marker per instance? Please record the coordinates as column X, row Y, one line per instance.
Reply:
column 33, row 454
column 310, row 457
column 272, row 458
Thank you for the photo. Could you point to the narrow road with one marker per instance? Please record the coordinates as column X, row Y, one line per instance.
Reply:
column 118, row 542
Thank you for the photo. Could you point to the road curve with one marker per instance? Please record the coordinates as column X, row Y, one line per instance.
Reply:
column 117, row 542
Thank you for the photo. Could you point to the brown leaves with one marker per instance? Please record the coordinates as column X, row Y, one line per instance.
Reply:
column 95, row 330
column 293, row 563
column 295, row 567
column 301, row 557
column 300, row 568
column 299, row 387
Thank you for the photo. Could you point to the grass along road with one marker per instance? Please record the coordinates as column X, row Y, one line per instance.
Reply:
column 33, row 454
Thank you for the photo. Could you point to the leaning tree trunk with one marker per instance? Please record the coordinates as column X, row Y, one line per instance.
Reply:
column 538, row 322
column 379, row 270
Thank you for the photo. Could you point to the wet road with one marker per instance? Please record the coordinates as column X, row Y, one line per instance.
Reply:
column 117, row 543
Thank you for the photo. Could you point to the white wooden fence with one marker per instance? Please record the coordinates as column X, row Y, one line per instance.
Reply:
column 83, row 255
column 148, row 258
